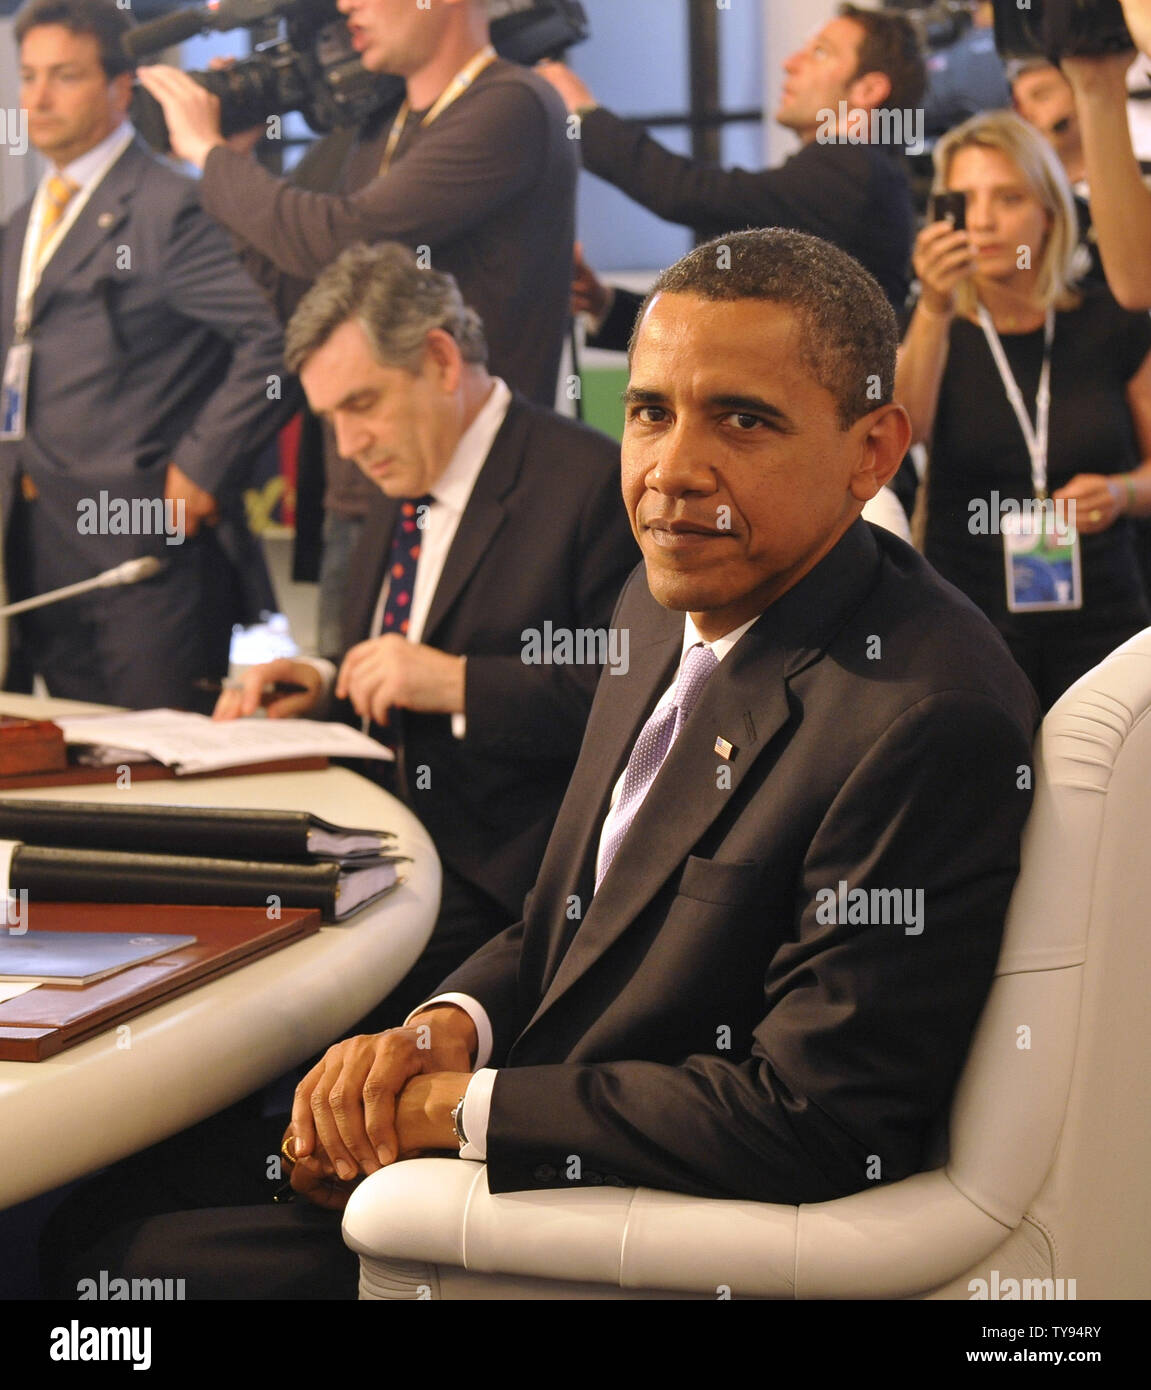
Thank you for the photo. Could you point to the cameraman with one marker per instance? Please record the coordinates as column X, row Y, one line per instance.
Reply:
column 1120, row 201
column 474, row 172
column 853, row 191
column 475, row 167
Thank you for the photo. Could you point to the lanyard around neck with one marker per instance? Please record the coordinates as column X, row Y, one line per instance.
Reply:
column 1036, row 435
column 33, row 257
column 455, row 89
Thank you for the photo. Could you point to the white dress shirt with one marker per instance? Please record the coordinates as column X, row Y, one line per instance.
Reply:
column 88, row 168
column 478, row 1096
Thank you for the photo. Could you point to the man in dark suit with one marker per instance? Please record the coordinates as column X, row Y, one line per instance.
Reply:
column 852, row 96
column 751, row 971
column 523, row 548
column 156, row 375
column 771, row 904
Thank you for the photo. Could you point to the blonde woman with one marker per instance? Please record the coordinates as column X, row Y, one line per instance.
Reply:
column 1035, row 399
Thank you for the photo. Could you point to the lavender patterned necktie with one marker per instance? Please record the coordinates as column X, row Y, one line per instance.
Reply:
column 652, row 747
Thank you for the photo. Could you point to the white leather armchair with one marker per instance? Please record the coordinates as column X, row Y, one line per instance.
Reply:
column 1049, row 1174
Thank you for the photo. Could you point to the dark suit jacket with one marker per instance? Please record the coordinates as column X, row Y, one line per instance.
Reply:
column 705, row 1028
column 544, row 539
column 150, row 345
column 856, row 196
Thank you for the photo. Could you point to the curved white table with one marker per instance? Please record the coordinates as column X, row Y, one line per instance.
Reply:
column 99, row 1102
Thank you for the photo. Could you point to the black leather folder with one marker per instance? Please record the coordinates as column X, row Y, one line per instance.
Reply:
column 216, row 832
column 52, row 874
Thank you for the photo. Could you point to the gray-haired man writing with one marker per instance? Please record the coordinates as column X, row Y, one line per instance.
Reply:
column 495, row 519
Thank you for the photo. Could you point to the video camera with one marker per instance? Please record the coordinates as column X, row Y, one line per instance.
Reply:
column 942, row 22
column 313, row 68
column 1055, row 29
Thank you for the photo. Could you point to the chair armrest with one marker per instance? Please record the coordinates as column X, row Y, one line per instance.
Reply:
column 889, row 1242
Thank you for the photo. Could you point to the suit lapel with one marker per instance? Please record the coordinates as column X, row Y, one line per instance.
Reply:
column 100, row 219
column 483, row 516
column 746, row 704
column 621, row 706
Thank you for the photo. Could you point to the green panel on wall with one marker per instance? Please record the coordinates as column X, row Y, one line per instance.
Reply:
column 603, row 388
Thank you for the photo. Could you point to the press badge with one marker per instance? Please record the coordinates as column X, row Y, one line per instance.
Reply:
column 1041, row 555
column 14, row 391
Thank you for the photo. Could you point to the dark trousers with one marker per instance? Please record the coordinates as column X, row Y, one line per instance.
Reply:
column 141, row 645
column 253, row 1249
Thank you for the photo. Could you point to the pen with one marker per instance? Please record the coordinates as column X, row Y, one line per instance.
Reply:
column 271, row 688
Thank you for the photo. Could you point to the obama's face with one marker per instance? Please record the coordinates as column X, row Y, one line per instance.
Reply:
column 737, row 475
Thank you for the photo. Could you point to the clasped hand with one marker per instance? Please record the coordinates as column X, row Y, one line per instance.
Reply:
column 377, row 1098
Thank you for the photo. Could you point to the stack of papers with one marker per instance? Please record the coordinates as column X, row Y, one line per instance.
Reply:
column 194, row 743
column 79, row 957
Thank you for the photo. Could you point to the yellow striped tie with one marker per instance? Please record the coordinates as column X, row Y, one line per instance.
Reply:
column 60, row 193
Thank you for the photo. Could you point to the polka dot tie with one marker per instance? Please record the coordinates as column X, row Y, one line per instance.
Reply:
column 652, row 747
column 402, row 561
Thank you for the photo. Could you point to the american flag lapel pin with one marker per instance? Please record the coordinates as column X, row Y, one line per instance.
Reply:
column 725, row 749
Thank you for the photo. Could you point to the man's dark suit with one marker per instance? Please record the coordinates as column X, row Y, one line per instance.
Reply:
column 544, row 538
column 150, row 346
column 701, row 1029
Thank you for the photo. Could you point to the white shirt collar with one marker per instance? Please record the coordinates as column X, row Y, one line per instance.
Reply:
column 454, row 485
column 721, row 646
column 691, row 635
column 99, row 159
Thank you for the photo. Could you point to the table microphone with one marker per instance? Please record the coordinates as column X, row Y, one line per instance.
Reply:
column 130, row 572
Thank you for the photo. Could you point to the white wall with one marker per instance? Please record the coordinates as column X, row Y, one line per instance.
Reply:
column 636, row 62
column 18, row 173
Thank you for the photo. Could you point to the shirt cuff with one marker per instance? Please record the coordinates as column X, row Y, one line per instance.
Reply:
column 477, row 1108
column 478, row 1015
